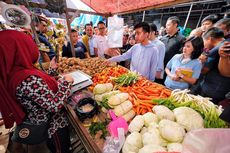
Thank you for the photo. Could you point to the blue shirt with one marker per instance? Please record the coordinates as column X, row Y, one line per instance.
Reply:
column 195, row 65
column 91, row 48
column 44, row 40
column 79, row 48
column 144, row 59
column 161, row 54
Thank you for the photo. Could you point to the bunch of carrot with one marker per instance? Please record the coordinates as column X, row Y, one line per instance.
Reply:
column 142, row 93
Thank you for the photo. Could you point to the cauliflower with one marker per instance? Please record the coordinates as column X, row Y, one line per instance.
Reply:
column 136, row 124
column 188, row 118
column 171, row 131
column 132, row 143
column 174, row 147
column 149, row 118
column 152, row 138
column 163, row 112
column 151, row 148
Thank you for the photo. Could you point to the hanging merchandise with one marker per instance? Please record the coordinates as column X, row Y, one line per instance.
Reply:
column 115, row 31
column 15, row 15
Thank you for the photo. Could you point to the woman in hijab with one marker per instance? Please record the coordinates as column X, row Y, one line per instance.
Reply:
column 28, row 93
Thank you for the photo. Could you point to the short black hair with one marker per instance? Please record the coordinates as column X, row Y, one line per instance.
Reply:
column 197, row 44
column 73, row 30
column 88, row 24
column 153, row 27
column 145, row 26
column 174, row 20
column 100, row 22
column 213, row 32
column 213, row 18
column 126, row 35
column 225, row 21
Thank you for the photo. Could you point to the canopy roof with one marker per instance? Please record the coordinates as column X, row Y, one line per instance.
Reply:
column 110, row 7
column 100, row 7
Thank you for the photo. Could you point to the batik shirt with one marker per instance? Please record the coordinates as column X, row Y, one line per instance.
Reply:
column 42, row 104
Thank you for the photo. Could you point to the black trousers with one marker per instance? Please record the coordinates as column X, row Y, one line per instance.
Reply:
column 60, row 141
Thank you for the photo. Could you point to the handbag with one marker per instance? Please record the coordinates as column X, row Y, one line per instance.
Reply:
column 29, row 133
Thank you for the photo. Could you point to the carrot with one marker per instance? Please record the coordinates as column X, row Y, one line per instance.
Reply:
column 134, row 95
column 146, row 104
column 144, row 83
column 130, row 98
column 143, row 97
column 144, row 110
column 155, row 91
column 149, row 109
column 138, row 110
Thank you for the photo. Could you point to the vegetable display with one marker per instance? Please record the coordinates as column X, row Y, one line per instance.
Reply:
column 209, row 111
column 158, row 133
column 143, row 92
column 90, row 66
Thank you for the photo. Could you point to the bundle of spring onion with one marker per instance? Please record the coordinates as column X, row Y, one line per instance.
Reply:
column 125, row 79
column 209, row 111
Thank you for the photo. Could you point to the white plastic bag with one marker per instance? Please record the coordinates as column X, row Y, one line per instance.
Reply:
column 115, row 31
column 207, row 141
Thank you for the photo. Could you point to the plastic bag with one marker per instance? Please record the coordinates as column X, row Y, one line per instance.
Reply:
column 115, row 31
column 114, row 145
column 207, row 141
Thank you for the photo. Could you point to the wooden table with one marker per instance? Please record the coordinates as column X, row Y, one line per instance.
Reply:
column 91, row 144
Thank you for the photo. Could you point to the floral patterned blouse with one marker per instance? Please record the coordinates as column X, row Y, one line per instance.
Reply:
column 41, row 104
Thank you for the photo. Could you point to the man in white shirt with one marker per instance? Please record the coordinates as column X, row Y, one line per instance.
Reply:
column 100, row 42
column 88, row 39
column 161, row 51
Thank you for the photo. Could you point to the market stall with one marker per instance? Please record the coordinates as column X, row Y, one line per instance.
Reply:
column 152, row 117
column 149, row 112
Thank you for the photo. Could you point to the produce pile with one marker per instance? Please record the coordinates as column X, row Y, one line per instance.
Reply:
column 209, row 111
column 90, row 66
column 161, row 130
column 114, row 100
column 143, row 92
column 106, row 75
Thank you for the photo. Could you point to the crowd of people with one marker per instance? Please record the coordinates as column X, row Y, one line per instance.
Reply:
column 199, row 63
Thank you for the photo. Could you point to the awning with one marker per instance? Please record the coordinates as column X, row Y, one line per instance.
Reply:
column 127, row 6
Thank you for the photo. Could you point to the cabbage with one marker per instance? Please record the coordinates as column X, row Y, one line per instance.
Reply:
column 188, row 118
column 171, row 131
column 163, row 112
column 151, row 148
column 136, row 124
column 174, row 147
column 132, row 143
column 149, row 118
column 102, row 88
column 153, row 125
column 152, row 138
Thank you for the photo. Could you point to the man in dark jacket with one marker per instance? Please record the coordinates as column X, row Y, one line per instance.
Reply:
column 173, row 40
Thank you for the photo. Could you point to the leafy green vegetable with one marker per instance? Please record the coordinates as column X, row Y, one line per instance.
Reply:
column 99, row 126
column 104, row 103
column 126, row 79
